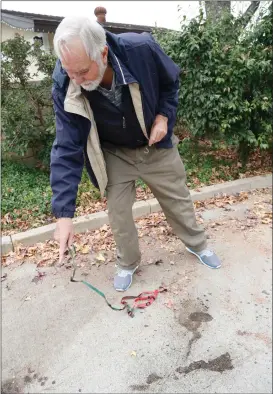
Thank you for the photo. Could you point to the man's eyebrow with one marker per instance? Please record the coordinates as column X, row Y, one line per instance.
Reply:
column 78, row 72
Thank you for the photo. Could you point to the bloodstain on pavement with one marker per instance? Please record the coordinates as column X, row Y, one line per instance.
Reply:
column 219, row 364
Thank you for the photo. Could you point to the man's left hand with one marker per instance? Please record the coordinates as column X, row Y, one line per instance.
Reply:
column 159, row 129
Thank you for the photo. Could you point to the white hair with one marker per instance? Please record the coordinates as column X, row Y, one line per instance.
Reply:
column 90, row 33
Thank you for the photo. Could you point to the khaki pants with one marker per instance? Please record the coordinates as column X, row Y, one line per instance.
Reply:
column 163, row 171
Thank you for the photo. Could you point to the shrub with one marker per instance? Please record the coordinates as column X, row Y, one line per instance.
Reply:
column 27, row 112
column 226, row 80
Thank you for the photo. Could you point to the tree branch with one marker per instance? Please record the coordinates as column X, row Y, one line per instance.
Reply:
column 250, row 12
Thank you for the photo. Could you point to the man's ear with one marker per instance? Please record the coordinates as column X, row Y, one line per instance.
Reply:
column 105, row 55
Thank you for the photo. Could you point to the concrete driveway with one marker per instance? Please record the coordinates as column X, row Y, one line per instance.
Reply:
column 210, row 333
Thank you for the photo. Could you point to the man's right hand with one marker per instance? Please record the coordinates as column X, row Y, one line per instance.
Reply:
column 64, row 235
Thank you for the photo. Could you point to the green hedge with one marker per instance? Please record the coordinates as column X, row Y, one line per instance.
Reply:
column 225, row 92
column 27, row 112
column 226, row 81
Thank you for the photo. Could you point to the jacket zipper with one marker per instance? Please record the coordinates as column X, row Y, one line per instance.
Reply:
column 120, row 70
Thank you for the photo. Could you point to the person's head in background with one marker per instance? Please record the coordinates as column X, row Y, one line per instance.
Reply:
column 80, row 44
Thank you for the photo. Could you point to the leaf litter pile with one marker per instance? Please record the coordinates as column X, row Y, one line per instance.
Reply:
column 212, row 167
column 30, row 219
column 101, row 246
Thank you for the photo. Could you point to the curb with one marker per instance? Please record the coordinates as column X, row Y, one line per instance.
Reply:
column 140, row 208
column 6, row 245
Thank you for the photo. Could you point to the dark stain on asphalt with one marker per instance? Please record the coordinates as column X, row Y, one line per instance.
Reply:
column 139, row 387
column 219, row 364
column 27, row 379
column 153, row 377
column 195, row 336
column 200, row 317
column 192, row 321
column 11, row 386
column 14, row 386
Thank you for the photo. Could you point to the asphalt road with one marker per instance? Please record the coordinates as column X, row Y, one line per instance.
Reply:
column 210, row 333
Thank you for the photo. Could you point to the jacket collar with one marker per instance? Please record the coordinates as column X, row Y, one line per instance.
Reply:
column 123, row 76
column 59, row 76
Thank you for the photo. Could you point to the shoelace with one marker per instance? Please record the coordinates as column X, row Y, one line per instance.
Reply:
column 206, row 252
column 123, row 273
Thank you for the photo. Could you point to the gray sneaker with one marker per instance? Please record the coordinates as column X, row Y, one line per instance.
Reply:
column 123, row 278
column 207, row 257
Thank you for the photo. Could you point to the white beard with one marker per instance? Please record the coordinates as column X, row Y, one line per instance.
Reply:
column 92, row 85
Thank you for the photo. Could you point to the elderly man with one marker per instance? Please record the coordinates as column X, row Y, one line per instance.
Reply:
column 115, row 100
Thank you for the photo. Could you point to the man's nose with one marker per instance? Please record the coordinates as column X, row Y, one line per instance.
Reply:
column 78, row 80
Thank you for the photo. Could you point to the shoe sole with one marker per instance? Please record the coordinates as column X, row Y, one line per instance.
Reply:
column 122, row 290
column 199, row 258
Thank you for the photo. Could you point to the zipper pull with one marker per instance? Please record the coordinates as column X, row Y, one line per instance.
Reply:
column 123, row 123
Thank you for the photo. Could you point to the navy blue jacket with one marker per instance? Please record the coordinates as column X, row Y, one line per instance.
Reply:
column 140, row 60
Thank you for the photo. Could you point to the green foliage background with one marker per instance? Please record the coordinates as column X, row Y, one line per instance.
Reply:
column 226, row 80
column 27, row 112
column 225, row 91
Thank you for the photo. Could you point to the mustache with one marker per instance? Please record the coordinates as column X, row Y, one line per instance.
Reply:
column 92, row 85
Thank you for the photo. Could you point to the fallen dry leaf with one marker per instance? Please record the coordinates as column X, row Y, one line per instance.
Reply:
column 154, row 225
column 104, row 227
column 100, row 257
column 259, row 163
column 169, row 304
column 85, row 249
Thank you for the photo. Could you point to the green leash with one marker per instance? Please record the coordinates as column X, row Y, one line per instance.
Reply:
column 72, row 252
